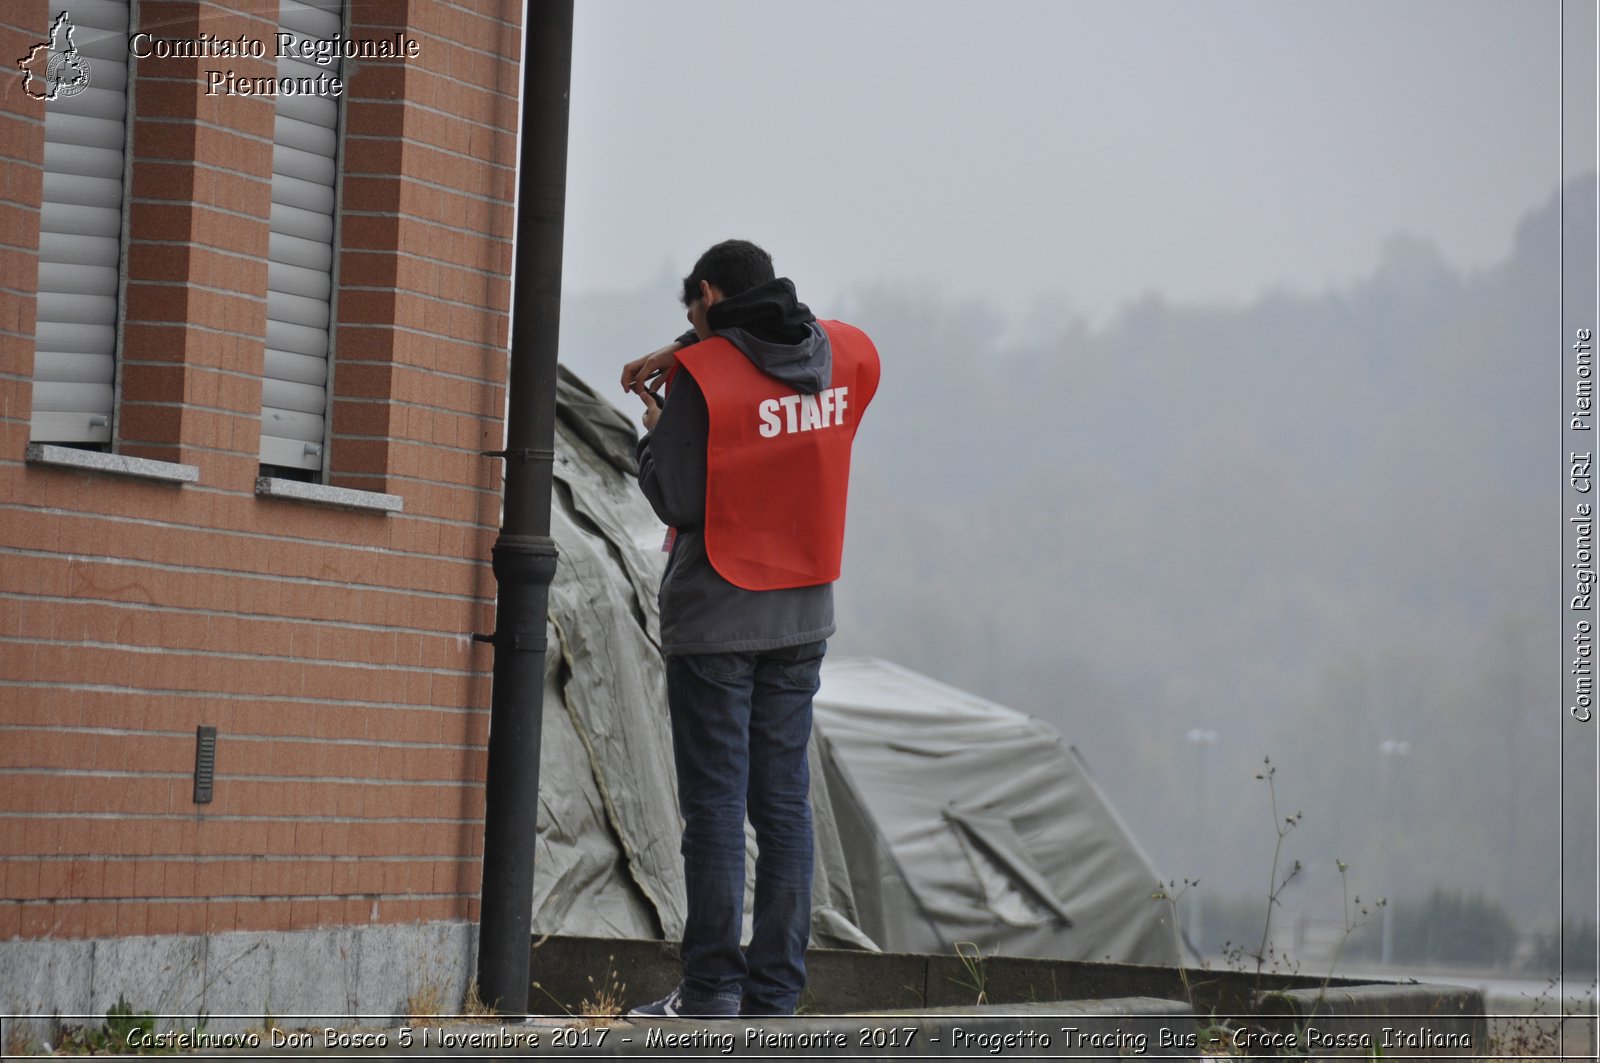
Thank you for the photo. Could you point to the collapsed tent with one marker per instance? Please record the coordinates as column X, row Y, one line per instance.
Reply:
column 998, row 834
column 983, row 827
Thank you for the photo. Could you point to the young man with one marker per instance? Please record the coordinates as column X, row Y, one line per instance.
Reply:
column 748, row 461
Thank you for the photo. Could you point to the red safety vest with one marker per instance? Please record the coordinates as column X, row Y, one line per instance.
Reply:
column 778, row 462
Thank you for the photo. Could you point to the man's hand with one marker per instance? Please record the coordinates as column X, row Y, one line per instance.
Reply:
column 639, row 371
column 652, row 409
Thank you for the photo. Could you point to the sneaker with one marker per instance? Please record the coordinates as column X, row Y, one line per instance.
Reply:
column 676, row 1006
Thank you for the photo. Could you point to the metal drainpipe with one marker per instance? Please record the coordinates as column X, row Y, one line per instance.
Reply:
column 524, row 554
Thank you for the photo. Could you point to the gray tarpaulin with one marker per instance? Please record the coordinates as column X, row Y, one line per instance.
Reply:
column 990, row 821
column 940, row 818
column 582, row 882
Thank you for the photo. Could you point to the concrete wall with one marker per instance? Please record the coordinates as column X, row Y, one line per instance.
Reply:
column 236, row 981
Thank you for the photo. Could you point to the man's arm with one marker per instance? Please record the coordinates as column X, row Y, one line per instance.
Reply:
column 638, row 372
column 672, row 456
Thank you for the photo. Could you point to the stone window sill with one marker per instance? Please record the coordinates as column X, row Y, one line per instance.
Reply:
column 114, row 464
column 324, row 495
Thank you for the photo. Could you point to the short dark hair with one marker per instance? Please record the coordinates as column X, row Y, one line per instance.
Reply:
column 732, row 266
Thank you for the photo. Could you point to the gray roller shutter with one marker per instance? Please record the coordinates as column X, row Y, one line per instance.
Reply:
column 294, row 390
column 80, row 233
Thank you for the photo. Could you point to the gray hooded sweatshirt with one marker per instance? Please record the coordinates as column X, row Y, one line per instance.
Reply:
column 700, row 611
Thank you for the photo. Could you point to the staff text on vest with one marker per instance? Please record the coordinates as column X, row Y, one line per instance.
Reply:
column 802, row 413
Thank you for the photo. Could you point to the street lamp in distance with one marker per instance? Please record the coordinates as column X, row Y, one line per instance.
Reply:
column 1202, row 739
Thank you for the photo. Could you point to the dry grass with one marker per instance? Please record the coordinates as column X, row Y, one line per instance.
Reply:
column 605, row 999
column 426, row 1004
column 1525, row 1036
column 473, row 1007
column 972, row 962
column 1539, row 1032
column 18, row 1043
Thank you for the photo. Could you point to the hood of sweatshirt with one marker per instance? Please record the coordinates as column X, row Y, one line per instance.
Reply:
column 778, row 333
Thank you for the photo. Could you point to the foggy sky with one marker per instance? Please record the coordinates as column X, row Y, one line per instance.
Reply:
column 931, row 166
column 1077, row 154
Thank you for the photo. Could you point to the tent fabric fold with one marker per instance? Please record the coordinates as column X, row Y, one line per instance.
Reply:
column 995, row 837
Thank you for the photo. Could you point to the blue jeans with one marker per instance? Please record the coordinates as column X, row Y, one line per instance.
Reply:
column 740, row 724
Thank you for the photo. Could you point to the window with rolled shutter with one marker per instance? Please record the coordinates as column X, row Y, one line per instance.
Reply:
column 294, row 392
column 80, row 229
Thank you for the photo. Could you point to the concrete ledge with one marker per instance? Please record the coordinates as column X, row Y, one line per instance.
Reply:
column 323, row 494
column 361, row 982
column 234, row 981
column 1390, row 1021
column 115, row 464
column 865, row 991
column 844, row 981
column 1520, row 1027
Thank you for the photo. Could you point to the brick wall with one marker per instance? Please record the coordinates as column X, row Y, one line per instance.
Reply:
column 329, row 647
column 21, row 188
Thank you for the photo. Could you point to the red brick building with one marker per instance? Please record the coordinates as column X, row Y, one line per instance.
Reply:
column 249, row 357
